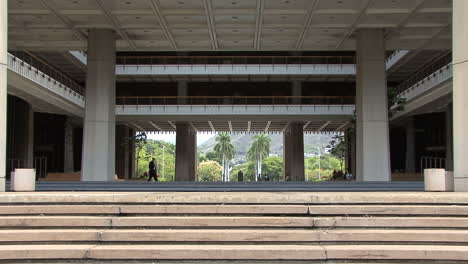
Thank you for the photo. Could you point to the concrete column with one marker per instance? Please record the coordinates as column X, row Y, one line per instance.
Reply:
column 186, row 152
column 460, row 94
column 68, row 157
column 410, row 166
column 122, row 152
column 296, row 90
column 372, row 135
column 133, row 168
column 99, row 124
column 353, row 154
column 182, row 90
column 294, row 152
column 3, row 89
column 449, row 137
column 20, row 132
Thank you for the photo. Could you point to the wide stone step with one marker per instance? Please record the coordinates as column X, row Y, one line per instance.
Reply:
column 161, row 209
column 234, row 235
column 234, row 222
column 153, row 209
column 326, row 198
column 233, row 252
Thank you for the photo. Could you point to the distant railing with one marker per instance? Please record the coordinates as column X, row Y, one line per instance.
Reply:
column 41, row 67
column 235, row 100
column 39, row 164
column 168, row 60
column 433, row 163
column 424, row 73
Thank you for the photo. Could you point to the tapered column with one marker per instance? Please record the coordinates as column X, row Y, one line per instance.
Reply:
column 460, row 94
column 99, row 124
column 296, row 92
column 449, row 137
column 186, row 152
column 182, row 91
column 3, row 89
column 372, row 135
column 410, row 147
column 68, row 155
column 20, row 133
column 294, row 152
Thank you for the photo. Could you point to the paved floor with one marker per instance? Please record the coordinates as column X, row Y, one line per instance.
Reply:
column 139, row 186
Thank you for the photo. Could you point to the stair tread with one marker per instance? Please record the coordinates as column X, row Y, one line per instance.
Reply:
column 277, row 252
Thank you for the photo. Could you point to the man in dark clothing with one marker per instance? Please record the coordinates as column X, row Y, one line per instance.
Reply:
column 240, row 176
column 153, row 168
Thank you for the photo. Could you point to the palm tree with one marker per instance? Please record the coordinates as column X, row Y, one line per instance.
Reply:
column 259, row 149
column 226, row 152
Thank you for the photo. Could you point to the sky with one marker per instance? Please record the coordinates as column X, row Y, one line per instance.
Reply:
column 201, row 137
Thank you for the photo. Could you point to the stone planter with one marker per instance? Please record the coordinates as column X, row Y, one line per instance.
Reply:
column 438, row 180
column 23, row 180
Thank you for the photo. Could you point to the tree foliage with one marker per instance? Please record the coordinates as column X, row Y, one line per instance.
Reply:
column 209, row 171
column 259, row 149
column 225, row 150
column 337, row 148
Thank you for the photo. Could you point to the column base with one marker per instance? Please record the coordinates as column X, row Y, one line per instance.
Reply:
column 461, row 184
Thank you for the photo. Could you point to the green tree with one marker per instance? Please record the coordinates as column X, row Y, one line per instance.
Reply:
column 225, row 151
column 337, row 148
column 209, row 171
column 259, row 149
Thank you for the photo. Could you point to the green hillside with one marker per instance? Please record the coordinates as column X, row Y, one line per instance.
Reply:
column 242, row 143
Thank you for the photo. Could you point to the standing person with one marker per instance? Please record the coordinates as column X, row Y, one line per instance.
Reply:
column 240, row 176
column 153, row 168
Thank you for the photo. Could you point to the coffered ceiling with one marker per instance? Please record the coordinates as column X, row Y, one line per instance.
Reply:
column 241, row 25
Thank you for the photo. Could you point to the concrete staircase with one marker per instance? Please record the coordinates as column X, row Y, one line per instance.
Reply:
column 245, row 227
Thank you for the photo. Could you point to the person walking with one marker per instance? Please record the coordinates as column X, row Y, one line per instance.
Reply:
column 153, row 170
column 240, row 176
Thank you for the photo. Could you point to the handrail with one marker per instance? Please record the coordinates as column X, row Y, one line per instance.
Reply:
column 443, row 62
column 236, row 100
column 41, row 66
column 148, row 60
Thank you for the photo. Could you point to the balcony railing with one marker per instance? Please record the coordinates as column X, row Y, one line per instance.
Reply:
column 443, row 62
column 41, row 68
column 235, row 100
column 184, row 60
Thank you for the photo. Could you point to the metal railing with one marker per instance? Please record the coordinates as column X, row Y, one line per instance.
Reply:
column 41, row 67
column 433, row 163
column 443, row 62
column 39, row 164
column 235, row 100
column 173, row 60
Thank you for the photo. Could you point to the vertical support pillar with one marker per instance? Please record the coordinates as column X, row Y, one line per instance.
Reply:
column 99, row 123
column 3, row 89
column 29, row 157
column 127, row 153
column 296, row 90
column 68, row 157
column 410, row 166
column 294, row 152
column 186, row 152
column 449, row 137
column 353, row 153
column 372, row 135
column 133, row 168
column 182, row 90
column 460, row 94
column 20, row 133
